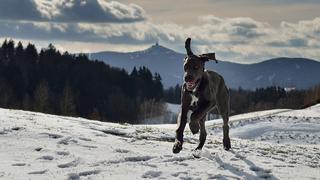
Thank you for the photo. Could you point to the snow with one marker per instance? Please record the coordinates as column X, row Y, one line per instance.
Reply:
column 274, row 144
column 169, row 117
column 174, row 108
column 313, row 111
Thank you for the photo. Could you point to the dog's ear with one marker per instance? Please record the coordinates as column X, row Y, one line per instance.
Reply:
column 208, row 56
column 188, row 47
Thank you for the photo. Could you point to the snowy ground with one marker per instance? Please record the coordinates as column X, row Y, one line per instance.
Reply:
column 277, row 144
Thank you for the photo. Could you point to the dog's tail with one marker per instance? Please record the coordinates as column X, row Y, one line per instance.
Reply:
column 188, row 48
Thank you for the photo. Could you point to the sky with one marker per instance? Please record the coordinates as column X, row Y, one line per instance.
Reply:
column 244, row 31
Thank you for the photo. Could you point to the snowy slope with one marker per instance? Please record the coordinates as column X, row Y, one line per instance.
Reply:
column 42, row 146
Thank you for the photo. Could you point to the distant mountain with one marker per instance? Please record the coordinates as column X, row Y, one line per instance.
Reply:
column 298, row 72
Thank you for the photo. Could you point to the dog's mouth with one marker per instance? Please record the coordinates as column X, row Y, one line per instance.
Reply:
column 190, row 85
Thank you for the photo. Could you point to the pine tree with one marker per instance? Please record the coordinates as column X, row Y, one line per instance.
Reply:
column 41, row 96
column 134, row 73
column 158, row 87
column 26, row 104
column 31, row 54
column 10, row 50
column 19, row 52
column 4, row 50
column 67, row 105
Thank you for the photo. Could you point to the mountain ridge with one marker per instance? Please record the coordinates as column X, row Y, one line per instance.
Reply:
column 280, row 71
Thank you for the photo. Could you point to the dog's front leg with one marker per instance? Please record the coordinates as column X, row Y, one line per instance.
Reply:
column 198, row 114
column 198, row 119
column 182, row 121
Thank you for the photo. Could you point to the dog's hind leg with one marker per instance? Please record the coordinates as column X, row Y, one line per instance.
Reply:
column 203, row 134
column 226, row 138
column 223, row 107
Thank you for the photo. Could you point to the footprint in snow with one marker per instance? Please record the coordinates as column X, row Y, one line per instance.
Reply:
column 151, row 174
column 178, row 159
column 85, row 139
column 240, row 156
column 18, row 164
column 38, row 149
column 16, row 128
column 89, row 146
column 49, row 158
column 265, row 175
column 176, row 174
column 63, row 153
column 149, row 165
column 76, row 176
column 183, row 164
column 87, row 173
column 38, row 172
column 255, row 168
column 6, row 130
column 266, row 162
column 118, row 150
column 234, row 159
column 131, row 159
column 51, row 135
column 67, row 140
column 262, row 173
column 138, row 158
column 73, row 163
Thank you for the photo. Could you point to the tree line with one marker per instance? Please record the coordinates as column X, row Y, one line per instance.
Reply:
column 53, row 82
column 243, row 101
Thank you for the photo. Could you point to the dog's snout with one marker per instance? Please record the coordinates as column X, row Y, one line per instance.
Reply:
column 188, row 78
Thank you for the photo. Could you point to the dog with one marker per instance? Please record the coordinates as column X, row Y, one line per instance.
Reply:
column 202, row 91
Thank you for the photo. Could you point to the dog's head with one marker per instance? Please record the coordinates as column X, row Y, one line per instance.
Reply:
column 194, row 66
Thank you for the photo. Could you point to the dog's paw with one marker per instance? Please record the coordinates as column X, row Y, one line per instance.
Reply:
column 226, row 143
column 196, row 153
column 177, row 147
column 194, row 127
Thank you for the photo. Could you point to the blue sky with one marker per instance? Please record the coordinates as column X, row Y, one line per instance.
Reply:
column 244, row 31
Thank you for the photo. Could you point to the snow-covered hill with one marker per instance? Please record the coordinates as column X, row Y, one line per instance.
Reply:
column 276, row 144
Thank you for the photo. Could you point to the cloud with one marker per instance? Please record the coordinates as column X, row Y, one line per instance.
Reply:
column 66, row 11
column 305, row 34
column 238, row 29
column 295, row 42
column 235, row 39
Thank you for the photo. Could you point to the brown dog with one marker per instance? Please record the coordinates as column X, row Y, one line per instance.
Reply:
column 202, row 91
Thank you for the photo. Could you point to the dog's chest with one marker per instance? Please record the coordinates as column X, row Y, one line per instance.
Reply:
column 194, row 100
